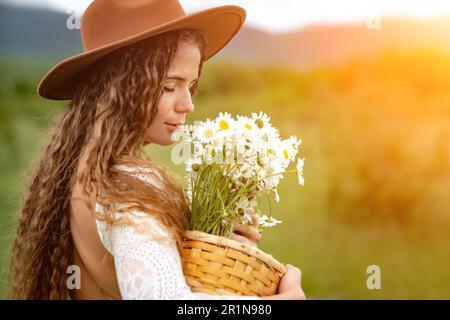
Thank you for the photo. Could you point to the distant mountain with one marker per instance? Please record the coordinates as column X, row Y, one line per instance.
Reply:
column 333, row 45
column 43, row 34
column 36, row 33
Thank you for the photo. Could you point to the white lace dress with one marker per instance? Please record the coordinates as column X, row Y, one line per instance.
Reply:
column 146, row 268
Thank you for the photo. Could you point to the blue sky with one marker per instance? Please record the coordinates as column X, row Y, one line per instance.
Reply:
column 284, row 15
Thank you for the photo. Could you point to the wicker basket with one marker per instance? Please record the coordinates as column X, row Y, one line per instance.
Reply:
column 218, row 265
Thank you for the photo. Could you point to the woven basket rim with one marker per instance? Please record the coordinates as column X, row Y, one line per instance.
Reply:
column 248, row 249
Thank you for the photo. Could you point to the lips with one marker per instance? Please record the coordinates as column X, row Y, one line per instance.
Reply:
column 174, row 125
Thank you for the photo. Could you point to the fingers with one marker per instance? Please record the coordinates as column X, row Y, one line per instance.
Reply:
column 294, row 273
column 248, row 231
column 293, row 276
column 242, row 239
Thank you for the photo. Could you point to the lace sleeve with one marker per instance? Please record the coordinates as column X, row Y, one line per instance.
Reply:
column 150, row 269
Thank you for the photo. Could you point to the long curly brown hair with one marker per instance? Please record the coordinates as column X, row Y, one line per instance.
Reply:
column 103, row 127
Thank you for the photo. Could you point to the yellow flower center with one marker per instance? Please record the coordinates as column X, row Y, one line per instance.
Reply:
column 208, row 133
column 248, row 126
column 286, row 154
column 259, row 123
column 224, row 125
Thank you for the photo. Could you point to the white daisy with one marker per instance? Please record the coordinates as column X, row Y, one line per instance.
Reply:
column 246, row 170
column 270, row 146
column 266, row 221
column 272, row 174
column 225, row 122
column 261, row 120
column 294, row 141
column 248, row 127
column 287, row 151
column 270, row 222
column 206, row 131
column 262, row 219
column 271, row 131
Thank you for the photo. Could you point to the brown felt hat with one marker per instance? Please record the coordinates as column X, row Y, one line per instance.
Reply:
column 107, row 25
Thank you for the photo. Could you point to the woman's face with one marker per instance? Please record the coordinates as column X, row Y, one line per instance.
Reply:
column 176, row 100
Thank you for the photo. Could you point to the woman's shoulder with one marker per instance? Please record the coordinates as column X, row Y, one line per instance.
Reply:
column 130, row 224
column 144, row 173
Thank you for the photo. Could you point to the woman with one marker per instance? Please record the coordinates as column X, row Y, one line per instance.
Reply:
column 94, row 201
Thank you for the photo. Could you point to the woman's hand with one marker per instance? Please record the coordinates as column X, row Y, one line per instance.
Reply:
column 247, row 233
column 290, row 287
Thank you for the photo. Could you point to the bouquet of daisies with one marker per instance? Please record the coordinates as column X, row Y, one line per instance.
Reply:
column 231, row 165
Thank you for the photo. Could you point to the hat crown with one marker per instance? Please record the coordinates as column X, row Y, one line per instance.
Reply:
column 109, row 21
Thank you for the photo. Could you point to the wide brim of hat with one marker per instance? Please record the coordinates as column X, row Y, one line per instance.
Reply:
column 218, row 25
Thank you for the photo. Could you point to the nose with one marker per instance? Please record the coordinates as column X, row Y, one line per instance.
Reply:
column 185, row 104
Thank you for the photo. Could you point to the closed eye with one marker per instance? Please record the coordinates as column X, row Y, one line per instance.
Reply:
column 192, row 89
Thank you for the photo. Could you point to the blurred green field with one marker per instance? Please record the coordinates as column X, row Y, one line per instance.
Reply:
column 376, row 138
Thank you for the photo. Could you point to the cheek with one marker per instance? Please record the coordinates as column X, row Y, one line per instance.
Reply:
column 158, row 132
column 163, row 110
column 164, row 103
